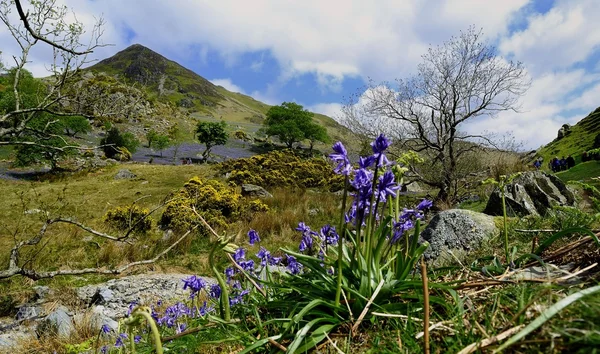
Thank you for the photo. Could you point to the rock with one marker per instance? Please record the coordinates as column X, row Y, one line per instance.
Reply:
column 141, row 289
column 28, row 311
column 59, row 321
column 125, row 174
column 41, row 292
column 456, row 230
column 314, row 212
column 413, row 187
column 563, row 131
column 532, row 193
column 254, row 191
column 167, row 235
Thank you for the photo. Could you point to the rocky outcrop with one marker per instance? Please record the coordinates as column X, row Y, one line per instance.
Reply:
column 532, row 193
column 453, row 233
column 563, row 131
column 254, row 191
column 125, row 174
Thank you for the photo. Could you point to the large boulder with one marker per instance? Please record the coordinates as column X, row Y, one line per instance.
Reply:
column 125, row 174
column 532, row 193
column 453, row 233
column 254, row 191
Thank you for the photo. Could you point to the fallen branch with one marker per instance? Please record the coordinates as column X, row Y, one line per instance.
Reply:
column 35, row 275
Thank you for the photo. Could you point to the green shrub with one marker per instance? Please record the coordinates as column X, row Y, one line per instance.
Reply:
column 567, row 217
column 281, row 169
column 213, row 200
column 125, row 218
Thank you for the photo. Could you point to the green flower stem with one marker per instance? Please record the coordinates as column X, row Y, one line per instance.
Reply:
column 342, row 234
column 504, row 225
column 224, row 300
column 144, row 312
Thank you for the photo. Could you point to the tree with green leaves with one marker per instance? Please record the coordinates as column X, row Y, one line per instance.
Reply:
column 151, row 136
column 161, row 142
column 211, row 134
column 74, row 125
column 114, row 140
column 315, row 132
column 288, row 122
column 25, row 99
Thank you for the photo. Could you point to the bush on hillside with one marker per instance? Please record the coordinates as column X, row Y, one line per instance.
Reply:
column 217, row 203
column 125, row 218
column 281, row 169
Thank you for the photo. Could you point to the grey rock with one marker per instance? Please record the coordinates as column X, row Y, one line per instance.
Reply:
column 137, row 289
column 458, row 232
column 59, row 321
column 28, row 311
column 125, row 174
column 563, row 131
column 414, row 187
column 314, row 212
column 103, row 295
column 41, row 292
column 254, row 191
column 532, row 193
column 167, row 235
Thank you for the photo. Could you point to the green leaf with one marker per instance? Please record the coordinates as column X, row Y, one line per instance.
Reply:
column 562, row 233
column 548, row 314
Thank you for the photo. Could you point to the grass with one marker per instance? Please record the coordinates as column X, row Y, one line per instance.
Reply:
column 580, row 139
column 586, row 172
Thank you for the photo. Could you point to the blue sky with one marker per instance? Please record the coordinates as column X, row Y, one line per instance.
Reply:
column 317, row 53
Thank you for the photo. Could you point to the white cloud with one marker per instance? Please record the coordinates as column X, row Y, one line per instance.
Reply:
column 228, row 85
column 333, row 110
column 565, row 35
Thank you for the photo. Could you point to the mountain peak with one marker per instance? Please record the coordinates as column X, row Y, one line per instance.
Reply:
column 170, row 80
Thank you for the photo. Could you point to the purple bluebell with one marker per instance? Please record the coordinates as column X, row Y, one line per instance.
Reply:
column 180, row 328
column 264, row 255
column 380, row 144
column 387, row 186
column 340, row 156
column 362, row 178
column 137, row 339
column 215, row 291
column 248, row 265
column 366, row 162
column 274, row 260
column 239, row 255
column 131, row 307
column 104, row 349
column 253, row 237
column 329, row 235
column 119, row 343
column 229, row 273
column 293, row 265
column 194, row 283
column 105, row 328
column 425, row 204
column 302, row 227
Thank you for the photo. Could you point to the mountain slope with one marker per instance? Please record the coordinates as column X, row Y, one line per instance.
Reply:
column 579, row 139
column 169, row 82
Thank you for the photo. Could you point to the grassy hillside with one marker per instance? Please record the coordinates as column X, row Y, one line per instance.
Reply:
column 580, row 139
column 168, row 82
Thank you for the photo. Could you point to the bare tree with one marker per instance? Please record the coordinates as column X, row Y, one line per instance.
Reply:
column 462, row 80
column 43, row 22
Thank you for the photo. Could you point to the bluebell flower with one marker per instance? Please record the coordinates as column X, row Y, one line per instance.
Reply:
column 215, row 291
column 340, row 156
column 362, row 178
column 387, row 186
column 274, row 260
column 380, row 144
column 400, row 228
column 365, row 162
column 247, row 265
column 194, row 283
column 293, row 265
column 425, row 204
column 105, row 328
column 253, row 237
column 239, row 255
column 303, row 227
column 264, row 255
column 119, row 343
column 329, row 235
column 104, row 349
column 229, row 273
column 180, row 328
column 137, row 339
column 131, row 307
